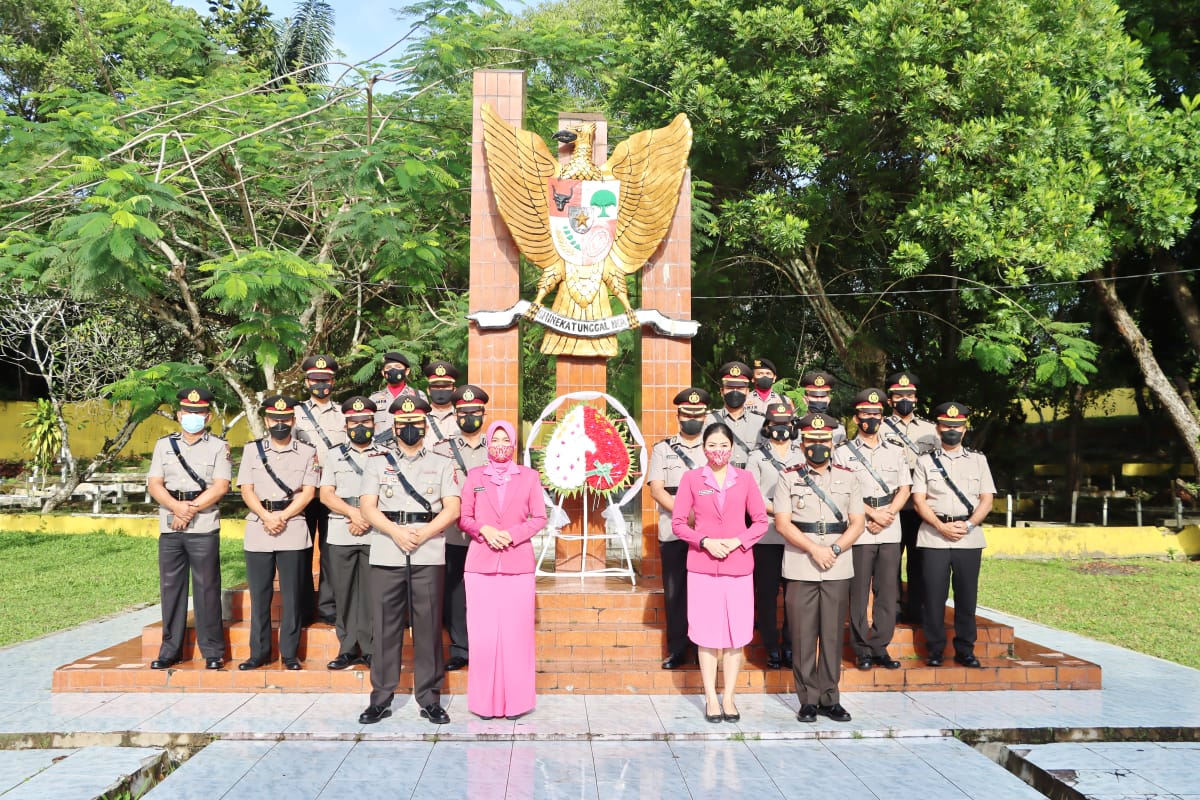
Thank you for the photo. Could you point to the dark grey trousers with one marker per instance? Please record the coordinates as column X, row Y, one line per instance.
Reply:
column 817, row 614
column 350, row 581
column 455, row 600
column 260, row 575
column 876, row 566
column 389, row 606
column 199, row 554
column 946, row 567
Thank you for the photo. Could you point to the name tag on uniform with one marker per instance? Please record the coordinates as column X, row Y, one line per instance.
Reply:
column 481, row 488
column 706, row 491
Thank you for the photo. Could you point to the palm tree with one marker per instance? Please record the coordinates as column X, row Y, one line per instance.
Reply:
column 303, row 43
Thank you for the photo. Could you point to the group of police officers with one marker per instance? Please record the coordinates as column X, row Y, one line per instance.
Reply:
column 843, row 510
column 373, row 484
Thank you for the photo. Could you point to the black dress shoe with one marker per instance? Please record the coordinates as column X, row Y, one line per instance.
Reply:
column 291, row 663
column 365, row 659
column 374, row 714
column 968, row 661
column 864, row 662
column 456, row 663
column 214, row 663
column 435, row 714
column 253, row 663
column 328, row 619
column 343, row 661
column 934, row 661
column 164, row 663
column 675, row 661
column 515, row 716
column 885, row 661
column 835, row 712
column 773, row 660
column 786, row 659
column 808, row 713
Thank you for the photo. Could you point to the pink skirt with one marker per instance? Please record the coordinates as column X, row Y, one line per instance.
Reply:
column 501, row 680
column 720, row 610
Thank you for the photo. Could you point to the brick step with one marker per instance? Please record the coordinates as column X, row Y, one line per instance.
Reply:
column 625, row 642
column 121, row 668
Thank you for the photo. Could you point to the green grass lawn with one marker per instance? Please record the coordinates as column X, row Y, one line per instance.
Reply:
column 1143, row 604
column 53, row 581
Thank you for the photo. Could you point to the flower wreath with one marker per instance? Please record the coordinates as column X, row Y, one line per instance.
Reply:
column 589, row 451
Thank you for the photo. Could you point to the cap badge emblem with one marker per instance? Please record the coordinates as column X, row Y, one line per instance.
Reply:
column 468, row 395
column 440, row 371
column 694, row 397
column 193, row 396
column 818, row 381
column 358, row 405
column 281, row 404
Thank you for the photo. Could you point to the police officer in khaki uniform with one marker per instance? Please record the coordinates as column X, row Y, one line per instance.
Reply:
column 745, row 424
column 885, row 482
column 467, row 448
column 763, row 396
column 349, row 533
column 278, row 478
column 819, row 512
column 818, row 392
column 395, row 373
column 952, row 491
column 905, row 429
column 189, row 474
column 669, row 459
column 441, row 375
column 319, row 422
column 780, row 451
column 410, row 496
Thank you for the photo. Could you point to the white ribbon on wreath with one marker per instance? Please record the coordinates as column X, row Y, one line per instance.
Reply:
column 613, row 517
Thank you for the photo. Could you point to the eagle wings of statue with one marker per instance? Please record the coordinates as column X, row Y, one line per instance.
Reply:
column 558, row 215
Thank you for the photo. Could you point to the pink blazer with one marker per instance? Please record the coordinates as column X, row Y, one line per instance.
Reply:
column 728, row 521
column 523, row 514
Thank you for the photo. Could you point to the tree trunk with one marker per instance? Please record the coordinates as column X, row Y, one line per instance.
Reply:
column 1182, row 418
column 70, row 472
column 1074, row 421
column 1185, row 302
column 250, row 402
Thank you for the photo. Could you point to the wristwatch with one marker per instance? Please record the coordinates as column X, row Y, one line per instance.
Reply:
column 837, row 551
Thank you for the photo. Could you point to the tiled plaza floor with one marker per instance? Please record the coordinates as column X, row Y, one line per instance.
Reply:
column 297, row 745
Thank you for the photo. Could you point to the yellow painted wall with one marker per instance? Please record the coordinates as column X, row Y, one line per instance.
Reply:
column 115, row 523
column 1088, row 542
column 90, row 424
column 1114, row 403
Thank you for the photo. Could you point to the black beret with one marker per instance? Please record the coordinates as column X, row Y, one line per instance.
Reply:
column 397, row 357
column 764, row 363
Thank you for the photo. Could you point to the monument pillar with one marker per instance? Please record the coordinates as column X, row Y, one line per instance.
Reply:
column 494, row 356
column 666, row 360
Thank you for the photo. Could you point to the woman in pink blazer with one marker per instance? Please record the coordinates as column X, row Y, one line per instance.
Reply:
column 502, row 509
column 719, row 512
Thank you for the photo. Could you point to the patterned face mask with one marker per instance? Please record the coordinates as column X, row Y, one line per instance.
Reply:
column 500, row 453
column 718, row 458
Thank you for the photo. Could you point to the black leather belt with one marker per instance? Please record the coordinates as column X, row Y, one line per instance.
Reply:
column 275, row 505
column 178, row 495
column 948, row 518
column 408, row 517
column 350, row 501
column 820, row 527
column 671, row 490
column 879, row 502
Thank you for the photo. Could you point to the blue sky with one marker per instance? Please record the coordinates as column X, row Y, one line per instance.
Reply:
column 363, row 28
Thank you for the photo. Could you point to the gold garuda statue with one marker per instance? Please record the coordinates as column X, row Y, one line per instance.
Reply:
column 586, row 227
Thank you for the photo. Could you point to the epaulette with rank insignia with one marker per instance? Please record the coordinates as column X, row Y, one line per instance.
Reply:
column 794, row 468
column 839, row 466
column 972, row 450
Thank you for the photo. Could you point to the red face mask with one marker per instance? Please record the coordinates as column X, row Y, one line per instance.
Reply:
column 718, row 458
column 500, row 453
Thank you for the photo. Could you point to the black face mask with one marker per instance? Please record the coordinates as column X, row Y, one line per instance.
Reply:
column 951, row 437
column 818, row 406
column 870, row 425
column 361, row 434
column 817, row 454
column 469, row 423
column 395, row 376
column 780, row 433
column 764, row 383
column 320, row 390
column 735, row 399
column 279, row 431
column 440, row 397
column 410, row 434
column 904, row 407
column 691, row 427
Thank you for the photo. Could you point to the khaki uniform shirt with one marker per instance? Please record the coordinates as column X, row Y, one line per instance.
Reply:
column 209, row 458
column 921, row 432
column 766, row 475
column 748, row 428
column 340, row 473
column 759, row 406
column 668, row 467
column 889, row 464
column 433, row 477
column 472, row 457
column 383, row 399
column 970, row 472
column 440, row 425
column 842, row 488
column 328, row 418
column 296, row 465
